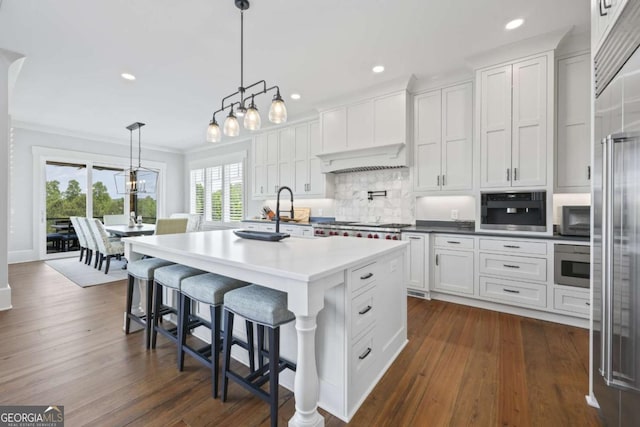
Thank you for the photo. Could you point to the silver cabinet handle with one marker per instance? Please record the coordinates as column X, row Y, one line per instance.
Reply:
column 511, row 291
column 511, row 246
column 365, row 354
column 261, row 189
column 515, row 174
column 365, row 310
column 366, row 276
column 438, row 180
column 443, row 184
column 415, row 238
column 511, row 266
column 589, row 173
column 436, row 259
column 601, row 6
column 508, row 174
column 453, row 242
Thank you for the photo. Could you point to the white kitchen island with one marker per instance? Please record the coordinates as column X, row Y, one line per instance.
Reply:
column 348, row 296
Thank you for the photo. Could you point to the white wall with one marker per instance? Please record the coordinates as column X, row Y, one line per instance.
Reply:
column 568, row 199
column 23, row 230
column 439, row 208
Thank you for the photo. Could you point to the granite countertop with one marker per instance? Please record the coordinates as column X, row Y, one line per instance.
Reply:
column 468, row 228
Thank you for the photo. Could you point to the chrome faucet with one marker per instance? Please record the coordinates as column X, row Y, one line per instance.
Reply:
column 278, row 206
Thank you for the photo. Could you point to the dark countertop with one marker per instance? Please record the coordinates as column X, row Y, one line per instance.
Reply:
column 468, row 228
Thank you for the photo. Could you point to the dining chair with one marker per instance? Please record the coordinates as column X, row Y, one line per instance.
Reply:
column 107, row 247
column 171, row 225
column 194, row 220
column 82, row 239
column 115, row 219
column 92, row 245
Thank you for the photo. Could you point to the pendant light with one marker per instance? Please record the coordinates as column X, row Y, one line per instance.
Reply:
column 136, row 179
column 252, row 121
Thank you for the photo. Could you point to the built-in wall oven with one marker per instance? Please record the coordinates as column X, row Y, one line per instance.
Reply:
column 514, row 211
column 571, row 265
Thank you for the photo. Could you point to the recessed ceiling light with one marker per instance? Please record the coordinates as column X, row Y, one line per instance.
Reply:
column 378, row 68
column 295, row 96
column 128, row 76
column 511, row 25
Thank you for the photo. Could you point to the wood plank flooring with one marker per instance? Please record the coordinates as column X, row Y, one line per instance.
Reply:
column 62, row 344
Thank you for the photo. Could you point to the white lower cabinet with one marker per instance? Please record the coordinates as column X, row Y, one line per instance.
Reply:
column 575, row 301
column 453, row 271
column 417, row 262
column 516, row 267
column 293, row 230
column 514, row 292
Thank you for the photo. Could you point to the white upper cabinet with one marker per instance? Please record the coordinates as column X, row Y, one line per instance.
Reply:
column 373, row 122
column 443, row 139
column 573, row 160
column 513, row 124
column 287, row 157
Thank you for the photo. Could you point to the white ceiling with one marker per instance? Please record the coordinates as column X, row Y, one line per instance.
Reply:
column 186, row 53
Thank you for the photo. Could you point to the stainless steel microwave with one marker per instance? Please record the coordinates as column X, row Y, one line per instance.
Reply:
column 571, row 265
column 576, row 221
column 516, row 211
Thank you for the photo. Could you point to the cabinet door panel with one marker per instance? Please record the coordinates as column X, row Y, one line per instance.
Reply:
column 529, row 156
column 316, row 177
column 457, row 130
column 271, row 164
column 334, row 130
column 390, row 119
column 454, row 271
column 428, row 136
column 285, row 151
column 495, row 127
column 259, row 165
column 300, row 158
column 573, row 153
column 360, row 125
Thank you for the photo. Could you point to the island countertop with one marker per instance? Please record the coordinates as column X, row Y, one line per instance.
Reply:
column 358, row 284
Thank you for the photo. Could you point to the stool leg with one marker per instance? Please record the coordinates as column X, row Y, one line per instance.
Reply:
column 148, row 312
column 215, row 347
column 226, row 359
column 249, row 327
column 274, row 359
column 127, row 320
column 183, row 323
column 156, row 312
column 260, row 346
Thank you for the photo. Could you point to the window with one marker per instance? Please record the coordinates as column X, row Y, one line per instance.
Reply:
column 217, row 192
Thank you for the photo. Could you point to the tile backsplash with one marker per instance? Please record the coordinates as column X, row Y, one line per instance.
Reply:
column 352, row 203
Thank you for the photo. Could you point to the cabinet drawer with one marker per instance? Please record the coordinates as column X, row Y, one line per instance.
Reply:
column 363, row 276
column 572, row 301
column 363, row 361
column 527, row 268
column 363, row 311
column 514, row 246
column 514, row 292
column 454, row 242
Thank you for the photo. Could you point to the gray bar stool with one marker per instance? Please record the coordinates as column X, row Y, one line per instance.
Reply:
column 267, row 308
column 209, row 289
column 170, row 277
column 142, row 270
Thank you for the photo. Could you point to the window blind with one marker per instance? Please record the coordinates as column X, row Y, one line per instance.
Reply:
column 217, row 192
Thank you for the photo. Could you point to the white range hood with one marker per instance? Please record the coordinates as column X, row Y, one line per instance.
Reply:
column 365, row 159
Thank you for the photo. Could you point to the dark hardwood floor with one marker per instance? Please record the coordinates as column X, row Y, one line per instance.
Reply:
column 62, row 344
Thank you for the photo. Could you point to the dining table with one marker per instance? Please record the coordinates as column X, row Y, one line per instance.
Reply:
column 124, row 230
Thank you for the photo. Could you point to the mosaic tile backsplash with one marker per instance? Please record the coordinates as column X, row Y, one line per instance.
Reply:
column 351, row 199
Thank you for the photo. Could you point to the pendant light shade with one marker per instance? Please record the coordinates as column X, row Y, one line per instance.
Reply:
column 136, row 179
column 213, row 132
column 231, row 125
column 277, row 111
column 252, row 119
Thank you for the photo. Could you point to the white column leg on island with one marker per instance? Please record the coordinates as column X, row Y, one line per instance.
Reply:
column 306, row 386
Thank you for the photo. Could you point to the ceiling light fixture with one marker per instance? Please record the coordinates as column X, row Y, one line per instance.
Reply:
column 128, row 76
column 277, row 112
column 512, row 25
column 136, row 179
column 378, row 69
column 295, row 96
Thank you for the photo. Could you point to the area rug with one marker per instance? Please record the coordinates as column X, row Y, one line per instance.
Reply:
column 85, row 275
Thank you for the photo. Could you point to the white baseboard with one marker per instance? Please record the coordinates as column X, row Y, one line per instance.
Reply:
column 28, row 255
column 5, row 298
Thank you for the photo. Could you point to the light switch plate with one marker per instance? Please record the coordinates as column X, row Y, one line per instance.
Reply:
column 454, row 214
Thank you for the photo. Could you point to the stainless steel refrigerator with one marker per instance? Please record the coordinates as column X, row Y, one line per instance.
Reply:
column 615, row 228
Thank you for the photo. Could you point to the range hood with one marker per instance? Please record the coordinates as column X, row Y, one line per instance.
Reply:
column 389, row 156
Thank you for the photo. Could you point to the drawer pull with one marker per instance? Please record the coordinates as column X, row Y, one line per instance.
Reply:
column 365, row 354
column 366, row 276
column 415, row 238
column 365, row 310
column 511, row 291
column 453, row 242
column 512, row 246
column 511, row 266
column 588, row 304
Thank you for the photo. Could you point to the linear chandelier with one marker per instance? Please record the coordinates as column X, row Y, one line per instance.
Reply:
column 136, row 179
column 277, row 111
